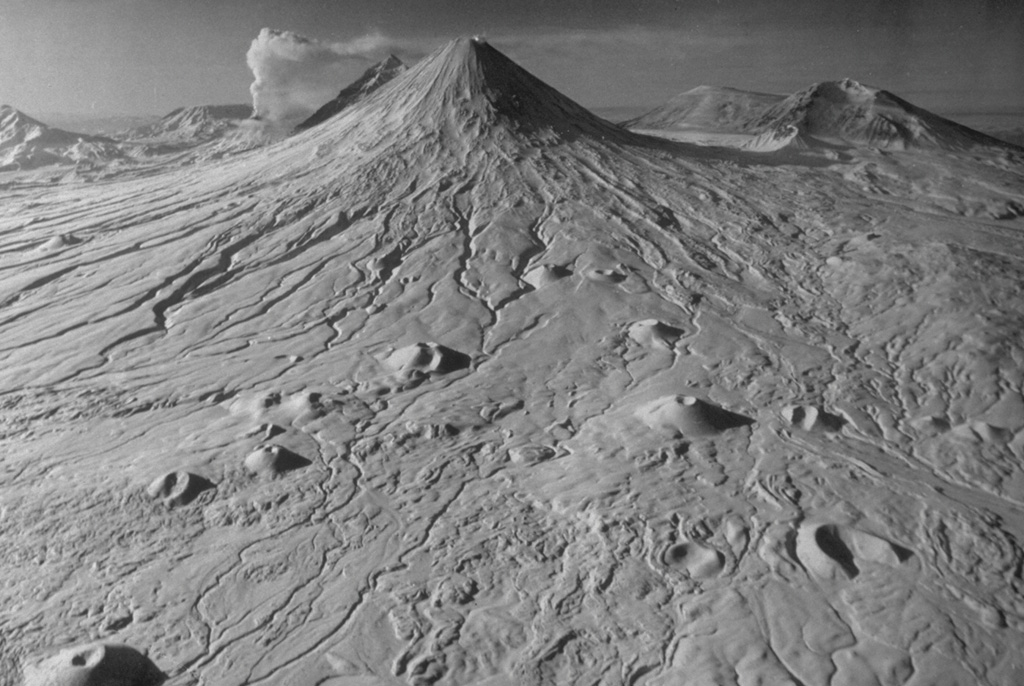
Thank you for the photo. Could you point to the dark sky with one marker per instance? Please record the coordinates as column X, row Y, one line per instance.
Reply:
column 150, row 56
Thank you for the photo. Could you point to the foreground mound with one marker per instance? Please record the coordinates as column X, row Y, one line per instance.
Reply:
column 95, row 664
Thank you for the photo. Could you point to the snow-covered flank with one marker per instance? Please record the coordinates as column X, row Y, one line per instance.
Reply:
column 194, row 124
column 372, row 79
column 26, row 143
column 466, row 386
column 849, row 113
column 709, row 108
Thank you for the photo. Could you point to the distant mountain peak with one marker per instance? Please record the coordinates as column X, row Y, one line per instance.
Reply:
column 13, row 117
column 195, row 122
column 372, row 79
column 850, row 112
column 26, row 142
column 842, row 112
column 18, row 127
column 713, row 108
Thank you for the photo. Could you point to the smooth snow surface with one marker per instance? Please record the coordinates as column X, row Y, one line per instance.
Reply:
column 466, row 385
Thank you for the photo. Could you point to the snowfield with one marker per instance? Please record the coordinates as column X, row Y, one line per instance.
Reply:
column 465, row 385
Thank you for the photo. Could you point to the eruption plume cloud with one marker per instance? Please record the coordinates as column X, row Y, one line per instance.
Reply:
column 294, row 75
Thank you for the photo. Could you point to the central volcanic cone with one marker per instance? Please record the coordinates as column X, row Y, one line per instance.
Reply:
column 469, row 88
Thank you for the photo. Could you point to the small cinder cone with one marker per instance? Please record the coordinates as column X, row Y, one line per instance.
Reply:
column 95, row 664
column 689, row 416
column 273, row 459
column 177, row 488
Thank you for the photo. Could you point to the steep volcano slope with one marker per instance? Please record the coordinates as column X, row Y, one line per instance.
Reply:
column 26, row 143
column 467, row 385
column 851, row 113
column 372, row 79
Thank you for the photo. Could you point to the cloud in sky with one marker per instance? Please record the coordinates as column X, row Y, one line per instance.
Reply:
column 294, row 75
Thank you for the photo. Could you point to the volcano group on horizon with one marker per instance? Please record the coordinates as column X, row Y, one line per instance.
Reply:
column 836, row 113
column 842, row 113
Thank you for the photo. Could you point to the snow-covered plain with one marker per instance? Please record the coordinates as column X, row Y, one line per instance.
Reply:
column 466, row 385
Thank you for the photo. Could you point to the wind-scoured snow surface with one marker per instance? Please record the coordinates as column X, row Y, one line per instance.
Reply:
column 466, row 385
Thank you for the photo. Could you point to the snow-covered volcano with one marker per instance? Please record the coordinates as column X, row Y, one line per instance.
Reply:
column 466, row 92
column 708, row 108
column 26, row 143
column 372, row 79
column 194, row 124
column 832, row 112
column 466, row 385
column 848, row 112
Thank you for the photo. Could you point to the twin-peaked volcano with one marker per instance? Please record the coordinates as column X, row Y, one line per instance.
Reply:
column 852, row 113
column 845, row 113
